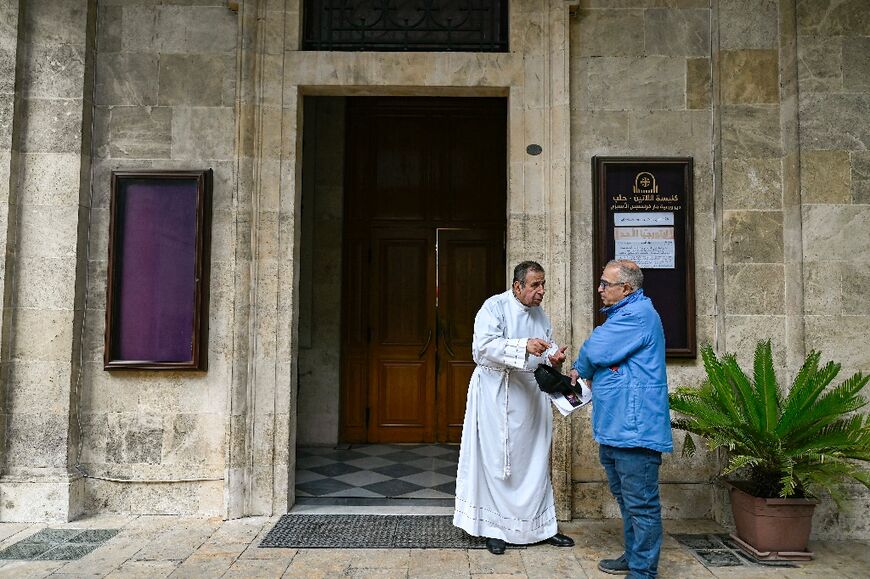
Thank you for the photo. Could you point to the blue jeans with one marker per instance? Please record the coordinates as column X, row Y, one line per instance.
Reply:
column 633, row 475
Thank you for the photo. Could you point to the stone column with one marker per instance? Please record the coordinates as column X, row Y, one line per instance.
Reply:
column 259, row 434
column 559, row 259
column 539, row 200
column 792, row 220
column 9, row 11
column 46, row 260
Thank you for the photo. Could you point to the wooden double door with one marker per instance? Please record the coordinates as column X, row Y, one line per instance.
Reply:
column 425, row 214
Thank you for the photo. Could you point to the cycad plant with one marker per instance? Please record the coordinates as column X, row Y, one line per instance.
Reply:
column 792, row 444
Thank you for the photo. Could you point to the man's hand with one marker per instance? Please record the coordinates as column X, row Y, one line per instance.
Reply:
column 557, row 358
column 575, row 375
column 537, row 346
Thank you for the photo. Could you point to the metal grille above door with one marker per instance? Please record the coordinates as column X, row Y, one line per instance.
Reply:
column 412, row 25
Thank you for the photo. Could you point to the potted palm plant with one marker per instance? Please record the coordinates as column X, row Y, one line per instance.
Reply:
column 785, row 449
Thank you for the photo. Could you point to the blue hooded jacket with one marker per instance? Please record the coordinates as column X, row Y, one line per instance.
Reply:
column 625, row 358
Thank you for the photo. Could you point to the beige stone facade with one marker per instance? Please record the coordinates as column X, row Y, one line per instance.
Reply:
column 770, row 98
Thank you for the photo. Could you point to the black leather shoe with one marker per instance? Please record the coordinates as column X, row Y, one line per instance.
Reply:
column 495, row 546
column 560, row 540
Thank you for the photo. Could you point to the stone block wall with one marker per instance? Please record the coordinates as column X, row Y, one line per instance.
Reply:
column 320, row 272
column 833, row 70
column 641, row 85
column 833, row 40
column 165, row 97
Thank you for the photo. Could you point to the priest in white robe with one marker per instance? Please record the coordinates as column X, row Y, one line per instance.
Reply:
column 503, row 488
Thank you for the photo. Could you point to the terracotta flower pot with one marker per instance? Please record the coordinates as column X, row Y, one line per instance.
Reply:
column 772, row 525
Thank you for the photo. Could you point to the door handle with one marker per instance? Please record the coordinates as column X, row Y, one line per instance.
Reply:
column 447, row 340
column 426, row 345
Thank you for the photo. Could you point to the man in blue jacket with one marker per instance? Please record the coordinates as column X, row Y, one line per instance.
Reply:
column 624, row 361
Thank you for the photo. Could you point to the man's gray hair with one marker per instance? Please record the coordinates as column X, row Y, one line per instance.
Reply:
column 629, row 272
column 523, row 268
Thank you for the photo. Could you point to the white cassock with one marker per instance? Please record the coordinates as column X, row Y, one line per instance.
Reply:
column 503, row 488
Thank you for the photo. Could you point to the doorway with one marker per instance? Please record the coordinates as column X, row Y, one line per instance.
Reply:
column 424, row 239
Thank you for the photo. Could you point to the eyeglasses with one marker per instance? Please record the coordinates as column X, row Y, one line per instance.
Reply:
column 606, row 284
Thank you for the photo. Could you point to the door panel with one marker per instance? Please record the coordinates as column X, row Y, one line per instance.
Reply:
column 402, row 286
column 470, row 269
column 401, row 165
column 451, row 410
column 416, row 169
column 354, row 394
column 474, row 166
column 402, row 396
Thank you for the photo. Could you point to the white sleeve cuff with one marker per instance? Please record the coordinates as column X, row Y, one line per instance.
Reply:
column 515, row 352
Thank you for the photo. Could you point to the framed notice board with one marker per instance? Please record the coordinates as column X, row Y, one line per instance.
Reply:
column 643, row 212
column 157, row 286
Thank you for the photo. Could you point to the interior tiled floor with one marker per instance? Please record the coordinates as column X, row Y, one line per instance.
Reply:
column 374, row 474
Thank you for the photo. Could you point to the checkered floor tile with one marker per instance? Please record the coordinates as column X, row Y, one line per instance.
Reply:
column 377, row 471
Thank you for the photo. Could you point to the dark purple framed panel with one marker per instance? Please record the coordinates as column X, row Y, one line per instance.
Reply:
column 157, row 290
column 643, row 212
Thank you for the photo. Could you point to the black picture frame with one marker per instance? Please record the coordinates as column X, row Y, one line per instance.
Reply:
column 158, row 270
column 646, row 202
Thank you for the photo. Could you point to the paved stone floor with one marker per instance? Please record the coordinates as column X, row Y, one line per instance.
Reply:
column 154, row 546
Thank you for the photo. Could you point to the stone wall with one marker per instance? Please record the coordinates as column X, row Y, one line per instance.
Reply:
column 165, row 97
column 833, row 69
column 641, row 86
column 320, row 271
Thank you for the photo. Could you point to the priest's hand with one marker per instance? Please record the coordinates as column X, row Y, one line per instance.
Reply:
column 557, row 358
column 537, row 346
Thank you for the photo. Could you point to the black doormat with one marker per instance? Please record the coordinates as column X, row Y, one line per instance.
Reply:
column 370, row 532
column 720, row 550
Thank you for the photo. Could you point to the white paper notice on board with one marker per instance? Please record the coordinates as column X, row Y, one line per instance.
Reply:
column 649, row 247
column 643, row 219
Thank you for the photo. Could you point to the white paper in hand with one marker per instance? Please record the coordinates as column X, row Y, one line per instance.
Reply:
column 568, row 404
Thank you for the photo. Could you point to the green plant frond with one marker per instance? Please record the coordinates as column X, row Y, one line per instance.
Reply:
column 689, row 446
column 735, row 442
column 789, row 485
column 863, row 477
column 750, row 403
column 807, row 387
column 829, row 466
column 846, row 437
column 764, row 378
column 721, row 390
column 809, row 369
column 830, row 477
column 704, row 414
column 739, row 461
column 840, row 433
column 834, row 403
column 832, row 406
